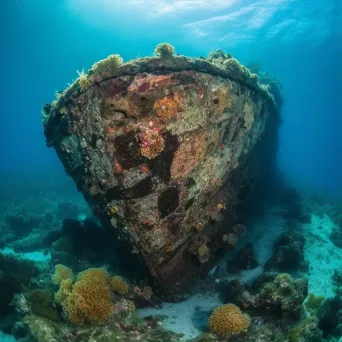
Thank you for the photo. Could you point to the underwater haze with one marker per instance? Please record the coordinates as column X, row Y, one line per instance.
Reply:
column 298, row 42
column 66, row 220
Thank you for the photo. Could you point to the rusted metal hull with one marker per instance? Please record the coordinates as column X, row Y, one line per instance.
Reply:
column 161, row 148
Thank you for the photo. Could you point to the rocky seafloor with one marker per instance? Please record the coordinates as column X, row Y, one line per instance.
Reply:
column 287, row 280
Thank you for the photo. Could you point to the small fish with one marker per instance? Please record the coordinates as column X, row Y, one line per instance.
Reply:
column 212, row 271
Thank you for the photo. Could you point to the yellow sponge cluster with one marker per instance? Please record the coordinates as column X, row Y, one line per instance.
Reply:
column 62, row 273
column 88, row 300
column 64, row 291
column 119, row 286
column 228, row 320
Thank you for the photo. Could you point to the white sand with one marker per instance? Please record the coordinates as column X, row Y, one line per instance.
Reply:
column 184, row 317
column 6, row 338
column 34, row 256
column 324, row 257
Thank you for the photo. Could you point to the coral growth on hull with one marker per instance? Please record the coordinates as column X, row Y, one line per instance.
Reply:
column 164, row 149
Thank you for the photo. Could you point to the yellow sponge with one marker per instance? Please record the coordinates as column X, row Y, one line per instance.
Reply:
column 228, row 320
column 119, row 285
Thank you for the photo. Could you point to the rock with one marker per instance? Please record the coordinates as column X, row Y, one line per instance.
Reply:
column 144, row 298
column 15, row 273
column 337, row 281
column 330, row 317
column 306, row 331
column 156, row 144
column 245, row 260
column 336, row 238
column 288, row 254
column 282, row 297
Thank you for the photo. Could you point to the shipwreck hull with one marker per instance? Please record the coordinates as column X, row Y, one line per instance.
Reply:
column 161, row 148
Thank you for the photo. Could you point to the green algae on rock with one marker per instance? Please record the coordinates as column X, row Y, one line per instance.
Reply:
column 159, row 146
column 117, row 329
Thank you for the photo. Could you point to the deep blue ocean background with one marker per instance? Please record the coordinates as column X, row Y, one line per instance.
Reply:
column 297, row 41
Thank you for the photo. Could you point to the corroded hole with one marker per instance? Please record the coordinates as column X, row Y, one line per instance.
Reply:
column 168, row 202
column 189, row 203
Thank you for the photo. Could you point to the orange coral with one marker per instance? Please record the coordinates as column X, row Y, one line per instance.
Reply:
column 144, row 168
column 119, row 285
column 189, row 155
column 151, row 142
column 117, row 167
column 228, row 320
column 88, row 300
column 168, row 106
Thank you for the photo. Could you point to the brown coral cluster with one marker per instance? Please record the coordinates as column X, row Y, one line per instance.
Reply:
column 228, row 320
column 88, row 300
column 119, row 286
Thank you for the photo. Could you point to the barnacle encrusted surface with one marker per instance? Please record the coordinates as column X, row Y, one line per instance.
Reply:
column 155, row 144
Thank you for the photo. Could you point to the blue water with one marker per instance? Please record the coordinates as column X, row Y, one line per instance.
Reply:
column 44, row 43
column 299, row 42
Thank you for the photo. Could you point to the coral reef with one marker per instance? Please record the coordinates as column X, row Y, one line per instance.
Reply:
column 227, row 320
column 282, row 296
column 218, row 56
column 288, row 253
column 313, row 303
column 305, row 331
column 108, row 64
column 330, row 317
column 15, row 273
column 276, row 294
column 83, row 80
column 92, row 310
column 164, row 50
column 119, row 285
column 121, row 328
column 89, row 298
column 26, row 227
column 18, row 219
column 41, row 303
